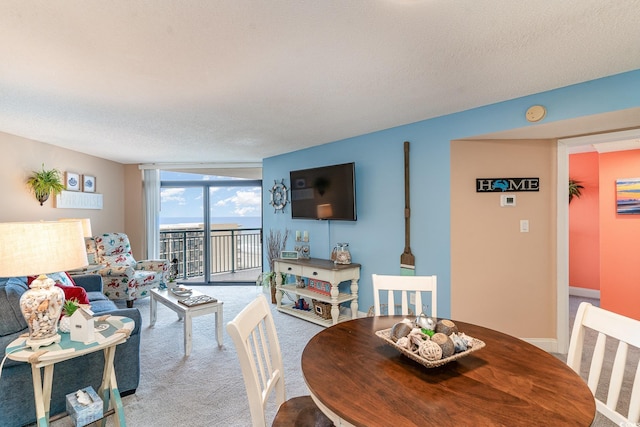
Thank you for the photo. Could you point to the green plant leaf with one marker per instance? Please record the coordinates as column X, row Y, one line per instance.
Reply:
column 70, row 306
column 45, row 182
column 575, row 189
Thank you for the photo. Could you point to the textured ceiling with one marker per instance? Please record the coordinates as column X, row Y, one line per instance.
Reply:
column 237, row 80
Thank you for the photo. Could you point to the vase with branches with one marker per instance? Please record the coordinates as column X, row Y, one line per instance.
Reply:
column 276, row 243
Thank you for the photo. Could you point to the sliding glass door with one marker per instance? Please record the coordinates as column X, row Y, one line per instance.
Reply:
column 211, row 228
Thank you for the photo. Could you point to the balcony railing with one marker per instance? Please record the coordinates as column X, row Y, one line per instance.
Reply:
column 231, row 250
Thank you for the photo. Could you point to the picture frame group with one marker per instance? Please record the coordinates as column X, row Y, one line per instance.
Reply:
column 77, row 182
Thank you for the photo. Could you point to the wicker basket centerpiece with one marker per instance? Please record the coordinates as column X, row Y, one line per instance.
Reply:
column 430, row 348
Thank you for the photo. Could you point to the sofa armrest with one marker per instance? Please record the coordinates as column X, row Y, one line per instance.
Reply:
column 90, row 282
column 122, row 271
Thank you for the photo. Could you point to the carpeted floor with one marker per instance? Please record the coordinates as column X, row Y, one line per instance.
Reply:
column 206, row 388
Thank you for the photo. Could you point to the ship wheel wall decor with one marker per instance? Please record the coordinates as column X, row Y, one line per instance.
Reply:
column 279, row 196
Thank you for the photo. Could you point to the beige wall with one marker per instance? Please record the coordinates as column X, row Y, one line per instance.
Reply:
column 519, row 296
column 21, row 156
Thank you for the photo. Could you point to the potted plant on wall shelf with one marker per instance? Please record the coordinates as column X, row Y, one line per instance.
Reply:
column 575, row 189
column 45, row 182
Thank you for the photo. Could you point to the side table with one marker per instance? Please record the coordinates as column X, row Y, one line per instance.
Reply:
column 320, row 269
column 110, row 331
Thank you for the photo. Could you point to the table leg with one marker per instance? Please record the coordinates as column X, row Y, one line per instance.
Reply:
column 335, row 311
column 278, row 296
column 354, row 301
column 42, row 393
column 109, row 389
column 219, row 326
column 153, row 310
column 187, row 333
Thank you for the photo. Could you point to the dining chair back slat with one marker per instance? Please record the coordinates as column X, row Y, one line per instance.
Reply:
column 405, row 286
column 627, row 332
column 254, row 335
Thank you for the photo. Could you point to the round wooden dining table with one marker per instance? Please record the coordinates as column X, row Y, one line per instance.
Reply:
column 358, row 379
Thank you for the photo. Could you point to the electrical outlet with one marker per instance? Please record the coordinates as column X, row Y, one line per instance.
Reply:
column 412, row 298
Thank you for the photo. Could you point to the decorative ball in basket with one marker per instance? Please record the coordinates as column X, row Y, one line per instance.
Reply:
column 428, row 342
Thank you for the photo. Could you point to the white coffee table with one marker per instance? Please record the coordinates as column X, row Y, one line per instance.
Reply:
column 170, row 300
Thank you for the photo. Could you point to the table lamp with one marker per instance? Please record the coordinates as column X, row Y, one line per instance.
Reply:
column 37, row 248
column 88, row 236
column 86, row 225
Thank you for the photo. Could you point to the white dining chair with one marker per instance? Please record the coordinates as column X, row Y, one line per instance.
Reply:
column 409, row 287
column 627, row 332
column 254, row 335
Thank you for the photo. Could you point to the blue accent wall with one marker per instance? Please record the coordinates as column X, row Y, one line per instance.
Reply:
column 377, row 238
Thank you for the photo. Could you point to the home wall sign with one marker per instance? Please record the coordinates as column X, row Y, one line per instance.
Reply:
column 496, row 185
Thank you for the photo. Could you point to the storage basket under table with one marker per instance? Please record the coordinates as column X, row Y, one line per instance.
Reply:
column 322, row 309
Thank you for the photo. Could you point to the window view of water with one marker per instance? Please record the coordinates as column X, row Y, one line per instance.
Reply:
column 233, row 243
column 242, row 221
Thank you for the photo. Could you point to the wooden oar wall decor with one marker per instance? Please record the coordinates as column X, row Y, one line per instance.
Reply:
column 407, row 260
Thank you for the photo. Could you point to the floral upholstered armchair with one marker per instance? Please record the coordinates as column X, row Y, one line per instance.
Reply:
column 123, row 276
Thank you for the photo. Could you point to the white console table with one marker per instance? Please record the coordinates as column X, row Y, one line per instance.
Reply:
column 320, row 269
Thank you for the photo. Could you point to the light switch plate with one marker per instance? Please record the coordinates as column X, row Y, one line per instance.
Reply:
column 507, row 200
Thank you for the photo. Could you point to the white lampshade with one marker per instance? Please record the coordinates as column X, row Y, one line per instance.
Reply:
column 33, row 248
column 86, row 225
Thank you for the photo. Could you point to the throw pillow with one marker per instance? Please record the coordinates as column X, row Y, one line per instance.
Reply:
column 12, row 319
column 77, row 292
column 62, row 277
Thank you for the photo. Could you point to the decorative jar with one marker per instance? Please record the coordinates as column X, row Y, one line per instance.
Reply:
column 41, row 306
column 341, row 254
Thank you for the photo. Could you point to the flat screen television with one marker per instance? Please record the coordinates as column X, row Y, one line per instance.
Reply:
column 327, row 192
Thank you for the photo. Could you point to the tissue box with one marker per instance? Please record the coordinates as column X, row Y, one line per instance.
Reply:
column 84, row 414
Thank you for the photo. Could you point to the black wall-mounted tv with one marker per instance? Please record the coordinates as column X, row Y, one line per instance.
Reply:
column 327, row 192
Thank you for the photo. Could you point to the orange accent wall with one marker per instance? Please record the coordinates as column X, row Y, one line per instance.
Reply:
column 619, row 238
column 584, row 223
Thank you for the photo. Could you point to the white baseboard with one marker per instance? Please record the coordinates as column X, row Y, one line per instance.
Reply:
column 583, row 292
column 550, row 345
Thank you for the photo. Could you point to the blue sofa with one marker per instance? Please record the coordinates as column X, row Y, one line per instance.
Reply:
column 17, row 407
